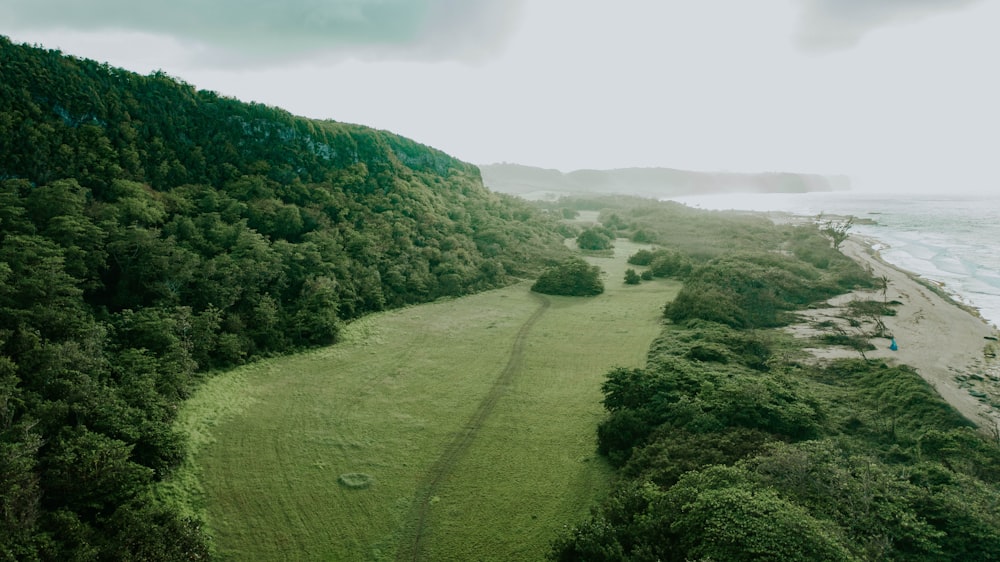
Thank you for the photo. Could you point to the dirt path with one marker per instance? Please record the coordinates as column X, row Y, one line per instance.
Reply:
column 459, row 445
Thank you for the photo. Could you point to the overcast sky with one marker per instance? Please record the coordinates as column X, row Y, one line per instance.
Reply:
column 899, row 94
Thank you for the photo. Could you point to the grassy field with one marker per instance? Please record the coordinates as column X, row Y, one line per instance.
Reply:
column 457, row 430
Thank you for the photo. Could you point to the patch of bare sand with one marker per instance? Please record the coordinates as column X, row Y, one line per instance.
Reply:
column 950, row 347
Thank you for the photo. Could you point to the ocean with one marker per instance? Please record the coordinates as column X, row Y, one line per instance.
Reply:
column 953, row 240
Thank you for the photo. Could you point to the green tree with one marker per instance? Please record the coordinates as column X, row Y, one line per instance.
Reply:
column 669, row 263
column 92, row 474
column 317, row 322
column 572, row 277
column 595, row 238
column 641, row 257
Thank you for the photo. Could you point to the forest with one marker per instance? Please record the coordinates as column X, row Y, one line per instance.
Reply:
column 730, row 444
column 151, row 233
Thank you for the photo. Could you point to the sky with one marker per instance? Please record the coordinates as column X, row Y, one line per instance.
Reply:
column 901, row 95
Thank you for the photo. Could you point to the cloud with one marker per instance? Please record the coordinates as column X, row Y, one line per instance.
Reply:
column 281, row 30
column 828, row 25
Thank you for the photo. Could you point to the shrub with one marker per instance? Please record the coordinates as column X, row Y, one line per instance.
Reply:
column 642, row 236
column 573, row 277
column 669, row 263
column 706, row 303
column 711, row 514
column 642, row 257
column 670, row 452
column 594, row 239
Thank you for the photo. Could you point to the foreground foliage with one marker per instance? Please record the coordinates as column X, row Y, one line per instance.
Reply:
column 150, row 232
column 730, row 449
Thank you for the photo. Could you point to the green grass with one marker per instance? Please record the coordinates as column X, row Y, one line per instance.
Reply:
column 275, row 441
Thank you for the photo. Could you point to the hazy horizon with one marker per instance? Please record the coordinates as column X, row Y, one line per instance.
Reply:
column 898, row 96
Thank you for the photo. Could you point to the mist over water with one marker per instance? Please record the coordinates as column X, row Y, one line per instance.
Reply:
column 952, row 240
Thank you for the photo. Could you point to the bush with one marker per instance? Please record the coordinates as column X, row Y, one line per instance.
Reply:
column 669, row 263
column 671, row 452
column 594, row 239
column 642, row 236
column 631, row 277
column 713, row 515
column 706, row 303
column 573, row 277
column 642, row 257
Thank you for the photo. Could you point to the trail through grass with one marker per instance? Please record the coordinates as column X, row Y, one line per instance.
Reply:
column 453, row 453
column 457, row 430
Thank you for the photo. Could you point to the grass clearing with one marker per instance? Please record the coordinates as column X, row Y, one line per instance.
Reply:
column 325, row 455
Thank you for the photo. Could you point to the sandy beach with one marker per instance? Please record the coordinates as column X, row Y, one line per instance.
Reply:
column 950, row 347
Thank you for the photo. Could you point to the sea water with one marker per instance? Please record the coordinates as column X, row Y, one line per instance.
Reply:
column 953, row 240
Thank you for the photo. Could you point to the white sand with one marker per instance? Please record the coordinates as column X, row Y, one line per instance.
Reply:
column 946, row 344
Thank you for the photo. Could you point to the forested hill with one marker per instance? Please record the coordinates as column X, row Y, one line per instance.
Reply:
column 150, row 231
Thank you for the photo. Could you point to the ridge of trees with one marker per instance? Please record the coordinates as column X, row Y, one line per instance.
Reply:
column 728, row 446
column 150, row 232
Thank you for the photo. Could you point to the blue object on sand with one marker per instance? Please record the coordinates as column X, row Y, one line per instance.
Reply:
column 893, row 345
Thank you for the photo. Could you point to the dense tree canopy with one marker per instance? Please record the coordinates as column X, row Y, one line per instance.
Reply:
column 150, row 232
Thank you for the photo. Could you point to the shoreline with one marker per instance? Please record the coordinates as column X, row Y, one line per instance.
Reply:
column 948, row 344
column 943, row 239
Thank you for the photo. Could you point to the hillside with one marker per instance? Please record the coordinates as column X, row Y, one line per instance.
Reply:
column 657, row 183
column 150, row 232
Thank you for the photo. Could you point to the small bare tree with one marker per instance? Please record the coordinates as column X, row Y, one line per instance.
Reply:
column 837, row 231
column 884, row 285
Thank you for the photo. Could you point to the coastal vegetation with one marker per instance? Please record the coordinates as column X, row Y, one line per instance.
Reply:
column 732, row 444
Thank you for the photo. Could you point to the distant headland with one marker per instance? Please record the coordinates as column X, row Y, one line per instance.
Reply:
column 542, row 183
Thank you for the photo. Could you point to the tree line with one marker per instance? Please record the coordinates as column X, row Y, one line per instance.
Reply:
column 150, row 233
